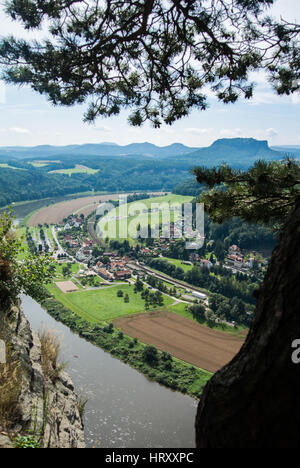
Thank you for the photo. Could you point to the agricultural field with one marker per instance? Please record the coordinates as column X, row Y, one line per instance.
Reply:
column 7, row 166
column 103, row 305
column 54, row 214
column 24, row 210
column 42, row 163
column 186, row 340
column 78, row 169
column 138, row 217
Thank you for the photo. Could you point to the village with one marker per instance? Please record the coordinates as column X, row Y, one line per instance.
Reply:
column 71, row 241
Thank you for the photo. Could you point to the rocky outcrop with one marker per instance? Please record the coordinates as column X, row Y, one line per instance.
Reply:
column 254, row 400
column 46, row 408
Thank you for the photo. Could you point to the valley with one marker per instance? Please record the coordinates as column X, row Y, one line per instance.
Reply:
column 113, row 293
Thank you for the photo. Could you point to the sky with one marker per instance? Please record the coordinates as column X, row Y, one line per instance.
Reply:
column 28, row 119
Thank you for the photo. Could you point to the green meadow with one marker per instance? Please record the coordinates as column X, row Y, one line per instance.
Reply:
column 7, row 166
column 102, row 305
column 78, row 169
column 136, row 218
column 178, row 263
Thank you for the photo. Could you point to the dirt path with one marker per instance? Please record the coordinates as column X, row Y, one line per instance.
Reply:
column 201, row 346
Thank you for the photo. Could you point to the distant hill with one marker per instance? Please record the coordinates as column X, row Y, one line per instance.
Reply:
column 101, row 149
column 238, row 152
column 189, row 187
column 138, row 166
column 290, row 150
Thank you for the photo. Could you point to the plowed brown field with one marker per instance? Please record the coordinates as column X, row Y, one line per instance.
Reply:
column 54, row 214
column 201, row 346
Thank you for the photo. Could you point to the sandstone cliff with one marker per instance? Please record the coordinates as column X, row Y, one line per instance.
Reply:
column 46, row 408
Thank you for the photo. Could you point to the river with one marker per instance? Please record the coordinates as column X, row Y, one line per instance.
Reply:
column 124, row 409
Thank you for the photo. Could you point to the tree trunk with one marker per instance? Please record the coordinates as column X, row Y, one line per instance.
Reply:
column 254, row 401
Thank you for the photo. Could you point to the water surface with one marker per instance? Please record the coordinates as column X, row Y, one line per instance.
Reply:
column 124, row 409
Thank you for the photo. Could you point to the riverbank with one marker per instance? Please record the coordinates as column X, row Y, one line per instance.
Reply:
column 38, row 405
column 163, row 368
column 124, row 409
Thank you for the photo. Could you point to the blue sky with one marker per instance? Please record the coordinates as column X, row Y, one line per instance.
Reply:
column 27, row 118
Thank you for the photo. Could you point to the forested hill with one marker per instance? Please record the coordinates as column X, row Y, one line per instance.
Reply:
column 230, row 149
column 21, row 185
column 237, row 152
column 92, row 150
column 27, row 173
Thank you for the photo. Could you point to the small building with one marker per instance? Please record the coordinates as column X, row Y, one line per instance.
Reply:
column 105, row 274
column 122, row 275
column 199, row 295
column 235, row 260
column 206, row 263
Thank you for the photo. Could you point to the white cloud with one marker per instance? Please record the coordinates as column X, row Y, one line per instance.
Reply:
column 18, row 130
column 295, row 97
column 231, row 132
column 271, row 133
column 103, row 128
column 198, row 131
column 167, row 130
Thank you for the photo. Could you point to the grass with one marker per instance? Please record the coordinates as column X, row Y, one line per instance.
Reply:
column 180, row 309
column 40, row 164
column 50, row 348
column 75, row 267
column 10, row 388
column 177, row 374
column 77, row 170
column 178, row 263
column 102, row 305
column 49, row 233
column 184, row 283
column 7, row 166
column 143, row 219
column 24, row 221
column 92, row 281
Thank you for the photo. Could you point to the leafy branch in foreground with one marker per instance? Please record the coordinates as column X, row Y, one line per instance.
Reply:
column 157, row 58
column 265, row 193
column 19, row 276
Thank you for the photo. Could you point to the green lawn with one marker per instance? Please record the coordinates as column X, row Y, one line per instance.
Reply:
column 178, row 263
column 143, row 219
column 39, row 164
column 78, row 169
column 7, row 166
column 102, row 305
column 74, row 270
column 49, row 233
column 180, row 309
column 96, row 280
